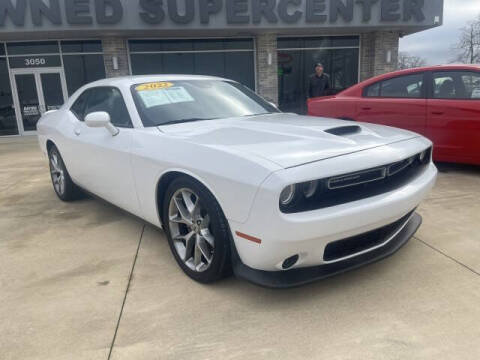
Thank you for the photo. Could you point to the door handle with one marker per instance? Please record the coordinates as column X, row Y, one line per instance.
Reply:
column 437, row 112
column 77, row 131
column 366, row 108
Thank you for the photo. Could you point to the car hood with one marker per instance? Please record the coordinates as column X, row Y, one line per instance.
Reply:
column 287, row 139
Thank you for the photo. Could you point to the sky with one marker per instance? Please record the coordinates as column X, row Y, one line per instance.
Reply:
column 434, row 45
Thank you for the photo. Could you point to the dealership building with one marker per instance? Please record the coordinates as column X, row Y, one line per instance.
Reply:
column 50, row 48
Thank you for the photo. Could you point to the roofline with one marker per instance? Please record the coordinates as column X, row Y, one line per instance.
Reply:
column 152, row 77
column 435, row 67
column 353, row 89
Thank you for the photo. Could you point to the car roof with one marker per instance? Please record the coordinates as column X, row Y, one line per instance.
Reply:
column 354, row 90
column 432, row 68
column 138, row 79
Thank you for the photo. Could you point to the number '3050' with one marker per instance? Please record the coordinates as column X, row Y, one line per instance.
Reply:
column 35, row 61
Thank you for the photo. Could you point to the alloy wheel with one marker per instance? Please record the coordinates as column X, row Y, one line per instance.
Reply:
column 189, row 225
column 57, row 172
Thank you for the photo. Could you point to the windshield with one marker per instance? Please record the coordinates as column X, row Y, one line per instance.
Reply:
column 169, row 102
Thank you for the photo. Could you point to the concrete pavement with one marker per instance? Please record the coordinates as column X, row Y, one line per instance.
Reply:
column 65, row 269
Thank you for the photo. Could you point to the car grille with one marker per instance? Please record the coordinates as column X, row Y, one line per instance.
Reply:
column 356, row 244
column 349, row 187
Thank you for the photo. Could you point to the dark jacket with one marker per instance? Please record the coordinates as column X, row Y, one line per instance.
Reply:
column 317, row 85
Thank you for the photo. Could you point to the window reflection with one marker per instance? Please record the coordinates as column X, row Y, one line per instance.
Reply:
column 8, row 121
column 33, row 47
column 297, row 62
column 201, row 57
column 82, row 69
column 29, row 102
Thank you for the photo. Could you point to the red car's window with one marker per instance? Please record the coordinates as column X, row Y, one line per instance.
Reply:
column 456, row 85
column 407, row 86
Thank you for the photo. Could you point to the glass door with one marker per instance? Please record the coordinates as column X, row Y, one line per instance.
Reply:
column 29, row 101
column 52, row 90
column 36, row 92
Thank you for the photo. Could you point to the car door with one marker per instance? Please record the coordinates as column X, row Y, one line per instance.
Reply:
column 399, row 101
column 453, row 121
column 103, row 162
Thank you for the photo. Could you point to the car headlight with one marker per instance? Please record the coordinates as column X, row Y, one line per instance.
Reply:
column 287, row 195
column 296, row 194
column 310, row 188
column 423, row 154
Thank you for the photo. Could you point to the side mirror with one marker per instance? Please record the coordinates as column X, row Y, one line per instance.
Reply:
column 100, row 119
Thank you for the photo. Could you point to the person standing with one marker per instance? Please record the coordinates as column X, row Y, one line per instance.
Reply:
column 318, row 83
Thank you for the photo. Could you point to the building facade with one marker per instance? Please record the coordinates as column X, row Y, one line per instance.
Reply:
column 50, row 48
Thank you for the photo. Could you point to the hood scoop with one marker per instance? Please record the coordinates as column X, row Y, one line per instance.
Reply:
column 344, row 130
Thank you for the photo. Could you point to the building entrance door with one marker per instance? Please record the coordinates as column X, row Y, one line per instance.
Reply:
column 36, row 91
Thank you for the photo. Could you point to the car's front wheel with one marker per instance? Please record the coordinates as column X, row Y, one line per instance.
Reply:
column 63, row 185
column 197, row 230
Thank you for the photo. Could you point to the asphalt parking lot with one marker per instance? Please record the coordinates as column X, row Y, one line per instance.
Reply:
column 65, row 270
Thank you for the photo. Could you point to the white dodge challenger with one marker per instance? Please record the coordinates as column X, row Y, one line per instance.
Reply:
column 280, row 199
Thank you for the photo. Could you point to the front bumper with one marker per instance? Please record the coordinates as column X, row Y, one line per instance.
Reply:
column 301, row 276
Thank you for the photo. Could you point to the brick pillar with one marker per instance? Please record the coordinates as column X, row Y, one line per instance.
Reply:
column 373, row 53
column 115, row 46
column 267, row 74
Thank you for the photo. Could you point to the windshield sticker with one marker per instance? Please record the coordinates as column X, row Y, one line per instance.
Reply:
column 153, row 98
column 154, row 86
column 158, row 97
column 178, row 94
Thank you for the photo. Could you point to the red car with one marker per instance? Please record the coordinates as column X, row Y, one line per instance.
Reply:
column 439, row 102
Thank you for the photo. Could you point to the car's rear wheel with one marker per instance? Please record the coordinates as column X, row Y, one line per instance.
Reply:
column 62, row 183
column 197, row 230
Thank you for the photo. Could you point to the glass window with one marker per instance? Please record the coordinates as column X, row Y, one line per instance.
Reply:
column 111, row 101
column 35, row 61
column 195, row 100
column 239, row 44
column 444, row 86
column 8, row 120
column 52, row 91
column 29, row 101
column 471, row 84
column 86, row 46
column 295, row 67
column 409, row 86
column 189, row 45
column 2, row 49
column 372, row 90
column 456, row 85
column 234, row 65
column 82, row 69
column 239, row 66
column 345, row 41
column 178, row 63
column 78, row 108
column 33, row 47
column 145, row 45
column 210, row 64
column 316, row 42
column 144, row 65
column 208, row 44
column 290, row 43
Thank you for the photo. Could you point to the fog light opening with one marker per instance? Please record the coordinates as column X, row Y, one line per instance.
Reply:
column 288, row 263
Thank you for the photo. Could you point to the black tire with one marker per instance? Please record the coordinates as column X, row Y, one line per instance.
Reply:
column 220, row 265
column 69, row 191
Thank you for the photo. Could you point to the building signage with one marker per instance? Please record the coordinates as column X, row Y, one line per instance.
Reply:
column 64, row 14
column 34, row 61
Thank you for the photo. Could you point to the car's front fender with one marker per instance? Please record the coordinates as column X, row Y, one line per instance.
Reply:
column 233, row 179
